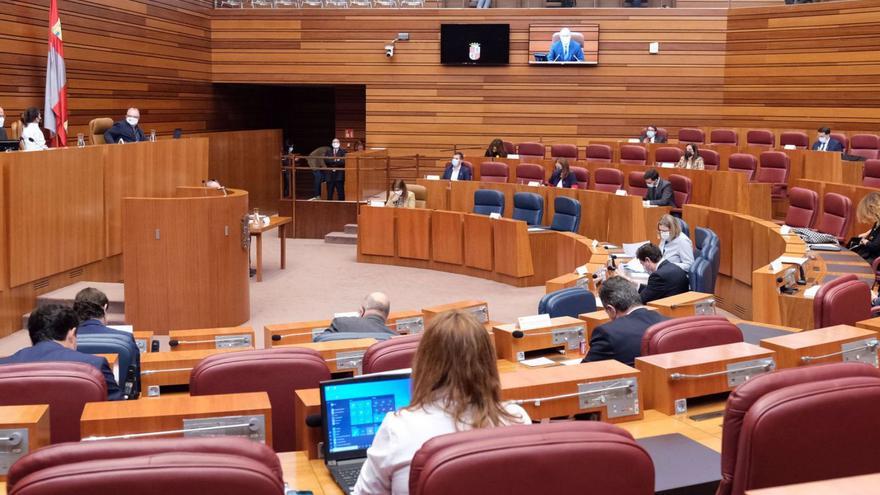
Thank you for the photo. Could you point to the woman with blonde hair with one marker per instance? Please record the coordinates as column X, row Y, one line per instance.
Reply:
column 676, row 247
column 455, row 387
column 867, row 244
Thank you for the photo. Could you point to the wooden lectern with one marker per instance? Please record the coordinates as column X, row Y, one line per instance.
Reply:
column 186, row 264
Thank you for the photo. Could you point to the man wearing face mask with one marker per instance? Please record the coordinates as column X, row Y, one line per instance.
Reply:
column 126, row 130
column 335, row 178
column 659, row 190
column 652, row 136
column 826, row 143
column 455, row 169
column 2, row 123
column 665, row 279
column 566, row 49
column 621, row 338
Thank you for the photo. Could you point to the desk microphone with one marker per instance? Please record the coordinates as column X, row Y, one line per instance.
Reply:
column 518, row 334
column 785, row 289
column 277, row 337
column 173, row 343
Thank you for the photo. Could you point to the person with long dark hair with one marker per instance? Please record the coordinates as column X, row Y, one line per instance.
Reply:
column 496, row 149
column 562, row 175
column 32, row 138
column 691, row 158
column 400, row 197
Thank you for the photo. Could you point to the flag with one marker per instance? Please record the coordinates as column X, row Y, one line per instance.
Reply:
column 55, row 112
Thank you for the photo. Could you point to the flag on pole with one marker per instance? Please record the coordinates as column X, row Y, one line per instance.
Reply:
column 55, row 112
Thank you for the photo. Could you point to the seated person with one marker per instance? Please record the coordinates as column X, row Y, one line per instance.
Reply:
column 562, row 175
column 691, row 158
column 126, row 130
column 666, row 279
column 659, row 190
column 651, row 135
column 867, row 244
column 455, row 169
column 374, row 311
column 32, row 138
column 565, row 49
column 2, row 122
column 826, row 143
column 676, row 247
column 455, row 387
column 621, row 338
column 400, row 197
column 90, row 305
column 496, row 149
column 52, row 328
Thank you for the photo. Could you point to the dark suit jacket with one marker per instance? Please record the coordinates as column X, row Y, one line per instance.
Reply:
column 621, row 339
column 657, row 138
column 661, row 193
column 368, row 324
column 3, row 135
column 337, row 159
column 48, row 350
column 121, row 130
column 567, row 182
column 667, row 280
column 871, row 250
column 464, row 173
column 93, row 327
column 833, row 145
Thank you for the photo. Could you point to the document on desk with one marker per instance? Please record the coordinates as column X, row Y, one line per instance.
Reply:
column 811, row 292
column 634, row 266
column 629, row 249
column 541, row 361
column 571, row 362
column 123, row 328
column 792, row 259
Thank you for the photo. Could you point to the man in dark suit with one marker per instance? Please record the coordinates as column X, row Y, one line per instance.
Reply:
column 651, row 135
column 374, row 311
column 335, row 178
column 659, row 190
column 126, row 130
column 621, row 338
column 666, row 278
column 2, row 123
column 52, row 329
column 456, row 169
column 826, row 143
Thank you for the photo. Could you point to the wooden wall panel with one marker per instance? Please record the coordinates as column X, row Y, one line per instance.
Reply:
column 249, row 160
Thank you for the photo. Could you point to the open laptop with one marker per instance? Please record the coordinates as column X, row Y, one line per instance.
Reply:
column 9, row 145
column 351, row 411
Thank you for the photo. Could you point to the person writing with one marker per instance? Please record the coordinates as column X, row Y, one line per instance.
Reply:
column 455, row 387
column 665, row 279
column 32, row 138
column 456, row 169
column 867, row 244
column 675, row 247
column 691, row 158
column 565, row 49
column 824, row 141
column 659, row 190
column 651, row 135
column 126, row 131
column 400, row 197
column 335, row 178
column 496, row 149
column 562, row 175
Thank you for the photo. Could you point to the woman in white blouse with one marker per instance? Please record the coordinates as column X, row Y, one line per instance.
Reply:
column 455, row 387
column 676, row 247
column 32, row 138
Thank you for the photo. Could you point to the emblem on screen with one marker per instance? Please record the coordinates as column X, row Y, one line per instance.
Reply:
column 474, row 52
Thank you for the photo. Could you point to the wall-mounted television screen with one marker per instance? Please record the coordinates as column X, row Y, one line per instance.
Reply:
column 554, row 44
column 475, row 44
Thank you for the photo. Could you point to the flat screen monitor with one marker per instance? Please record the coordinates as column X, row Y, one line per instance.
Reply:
column 474, row 44
column 546, row 46
column 10, row 145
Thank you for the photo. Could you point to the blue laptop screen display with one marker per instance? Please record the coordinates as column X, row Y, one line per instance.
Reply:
column 355, row 410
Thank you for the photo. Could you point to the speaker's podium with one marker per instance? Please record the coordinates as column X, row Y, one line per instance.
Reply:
column 186, row 260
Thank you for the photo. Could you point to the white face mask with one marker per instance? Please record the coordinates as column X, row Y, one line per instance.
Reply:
column 650, row 133
column 398, row 192
column 455, row 162
column 664, row 236
column 650, row 185
column 335, row 145
column 2, row 121
column 823, row 139
column 132, row 121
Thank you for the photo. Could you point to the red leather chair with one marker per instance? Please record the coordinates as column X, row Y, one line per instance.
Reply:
column 65, row 387
column 608, row 180
column 681, row 191
column 842, row 301
column 774, row 170
column 723, row 136
column 637, row 185
column 760, row 137
column 871, row 173
column 529, row 172
column 797, row 139
column 711, row 159
column 583, row 177
column 691, row 332
column 598, row 153
column 569, row 151
column 531, row 150
column 493, row 172
column 279, row 372
column 836, row 215
column 842, row 138
column 800, row 424
column 743, row 163
column 667, row 154
column 866, row 145
column 633, row 154
column 231, row 466
column 393, row 354
column 570, row 457
column 803, row 207
column 691, row 135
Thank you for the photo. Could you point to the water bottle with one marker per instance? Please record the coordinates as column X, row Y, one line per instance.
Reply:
column 80, row 140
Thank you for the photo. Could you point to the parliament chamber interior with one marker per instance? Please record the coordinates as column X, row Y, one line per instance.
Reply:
column 621, row 247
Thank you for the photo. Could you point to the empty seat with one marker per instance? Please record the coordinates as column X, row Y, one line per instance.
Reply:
column 700, row 275
column 633, row 154
column 760, row 137
column 566, row 215
column 420, row 192
column 723, row 136
column 637, row 185
column 690, row 332
column 528, row 207
column 531, row 150
column 842, row 138
column 712, row 255
column 667, row 154
column 529, row 172
column 569, row 151
column 572, row 302
column 703, row 238
column 509, row 147
column 392, row 354
column 583, row 177
column 493, row 172
column 775, row 166
column 865, row 145
column 97, row 128
column 743, row 163
column 598, row 153
column 711, row 159
column 608, row 180
column 691, row 135
column 530, row 459
column 803, row 208
column 681, row 191
column 871, row 173
column 842, row 301
column 836, row 215
column 797, row 139
column 487, row 201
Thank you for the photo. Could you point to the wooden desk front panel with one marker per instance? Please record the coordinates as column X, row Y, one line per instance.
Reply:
column 508, row 347
column 413, row 233
column 181, row 361
column 376, row 227
column 331, row 351
column 681, row 305
column 448, row 247
column 821, row 341
column 33, row 418
column 206, row 334
column 479, row 245
column 468, row 305
column 293, row 333
column 512, row 248
column 436, row 193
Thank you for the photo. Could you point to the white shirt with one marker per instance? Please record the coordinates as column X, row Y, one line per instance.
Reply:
column 454, row 174
column 33, row 138
column 399, row 437
column 560, row 183
column 678, row 251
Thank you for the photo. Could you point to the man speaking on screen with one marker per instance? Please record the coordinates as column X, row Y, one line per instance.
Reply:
column 565, row 49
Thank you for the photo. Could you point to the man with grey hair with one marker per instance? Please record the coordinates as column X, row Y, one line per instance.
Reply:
column 621, row 338
column 565, row 49
column 126, row 131
column 374, row 311
column 2, row 123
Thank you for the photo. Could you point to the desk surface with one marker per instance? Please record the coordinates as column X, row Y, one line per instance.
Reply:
column 854, row 485
column 274, row 223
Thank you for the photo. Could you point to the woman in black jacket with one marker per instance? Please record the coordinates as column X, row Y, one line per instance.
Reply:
column 867, row 244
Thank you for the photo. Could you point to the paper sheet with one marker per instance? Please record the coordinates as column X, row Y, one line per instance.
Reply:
column 811, row 292
column 124, row 328
column 571, row 362
column 541, row 361
column 634, row 266
column 629, row 249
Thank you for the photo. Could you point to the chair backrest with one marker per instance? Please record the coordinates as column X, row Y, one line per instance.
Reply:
column 337, row 336
column 691, row 135
column 234, row 466
column 797, row 139
column 509, row 147
column 564, row 151
column 681, row 189
column 743, row 163
column 279, row 372
column 97, row 128
column 482, row 461
column 65, row 387
column 528, row 207
column 836, row 215
column 760, row 137
column 711, row 159
column 531, row 150
column 699, row 274
column 703, row 238
column 865, row 145
column 420, row 192
column 122, row 345
column 15, row 129
column 598, row 153
column 529, row 172
column 723, row 136
column 572, row 301
column 803, row 207
column 841, row 301
column 583, row 177
column 608, row 179
column 690, row 332
column 871, row 173
column 844, row 140
column 800, row 424
column 637, row 185
column 667, row 154
column 493, row 172
column 392, row 354
column 633, row 154
column 774, row 167
column 684, row 227
column 712, row 255
column 488, row 201
column 566, row 215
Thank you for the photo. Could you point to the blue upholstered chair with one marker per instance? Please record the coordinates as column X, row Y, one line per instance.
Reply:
column 129, row 363
column 572, row 301
column 684, row 227
column 528, row 207
column 712, row 255
column 488, row 201
column 699, row 275
column 567, row 217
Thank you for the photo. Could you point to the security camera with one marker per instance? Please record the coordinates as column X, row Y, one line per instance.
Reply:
column 389, row 51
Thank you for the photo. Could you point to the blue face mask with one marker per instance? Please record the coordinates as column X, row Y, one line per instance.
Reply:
column 455, row 162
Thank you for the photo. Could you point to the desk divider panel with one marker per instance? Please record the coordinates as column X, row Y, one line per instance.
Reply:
column 479, row 247
column 448, row 248
column 377, row 231
column 512, row 248
column 413, row 233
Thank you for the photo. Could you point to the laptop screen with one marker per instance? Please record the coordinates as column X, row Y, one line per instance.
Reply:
column 353, row 408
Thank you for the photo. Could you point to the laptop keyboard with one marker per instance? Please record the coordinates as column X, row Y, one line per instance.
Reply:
column 347, row 475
